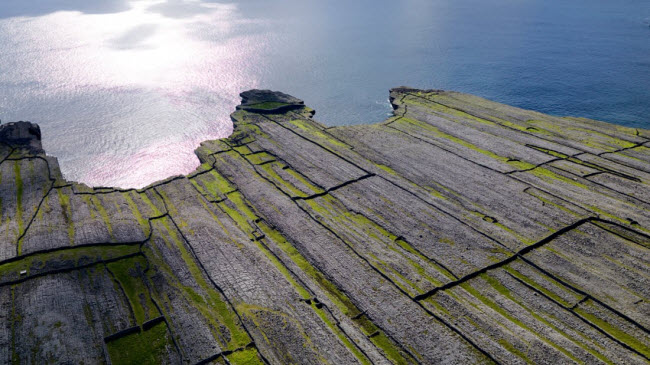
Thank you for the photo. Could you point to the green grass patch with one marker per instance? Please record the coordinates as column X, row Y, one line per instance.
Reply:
column 338, row 298
column 144, row 223
column 341, row 336
column 248, row 356
column 76, row 256
column 97, row 204
column 588, row 137
column 313, row 131
column 213, row 184
column 150, row 204
column 259, row 158
column 442, row 135
column 148, row 347
column 208, row 301
column 287, row 186
column 540, row 288
column 130, row 274
column 19, row 197
column 496, row 284
column 66, row 211
column 616, row 332
column 268, row 105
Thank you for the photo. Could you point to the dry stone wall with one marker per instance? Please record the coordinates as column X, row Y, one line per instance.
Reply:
column 459, row 231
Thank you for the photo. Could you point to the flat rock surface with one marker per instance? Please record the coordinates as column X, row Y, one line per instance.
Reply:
column 459, row 231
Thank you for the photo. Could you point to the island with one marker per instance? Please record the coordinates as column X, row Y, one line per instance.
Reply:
column 458, row 231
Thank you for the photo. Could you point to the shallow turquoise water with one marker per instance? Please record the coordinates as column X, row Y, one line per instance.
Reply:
column 124, row 90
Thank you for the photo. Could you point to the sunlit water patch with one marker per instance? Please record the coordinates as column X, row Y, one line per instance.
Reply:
column 124, row 90
column 124, row 98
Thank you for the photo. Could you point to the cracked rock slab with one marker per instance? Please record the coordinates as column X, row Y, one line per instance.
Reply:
column 458, row 231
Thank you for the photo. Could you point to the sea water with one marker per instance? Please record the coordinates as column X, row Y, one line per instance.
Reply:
column 124, row 90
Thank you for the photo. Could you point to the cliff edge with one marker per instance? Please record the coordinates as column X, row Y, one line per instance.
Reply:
column 459, row 231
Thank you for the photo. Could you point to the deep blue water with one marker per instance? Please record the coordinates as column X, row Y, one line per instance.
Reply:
column 124, row 90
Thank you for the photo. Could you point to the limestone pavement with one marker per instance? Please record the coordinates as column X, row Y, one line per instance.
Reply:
column 459, row 231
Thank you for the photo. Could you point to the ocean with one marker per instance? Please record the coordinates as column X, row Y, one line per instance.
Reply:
column 124, row 90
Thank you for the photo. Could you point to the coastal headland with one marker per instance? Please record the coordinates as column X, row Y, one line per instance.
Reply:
column 459, row 231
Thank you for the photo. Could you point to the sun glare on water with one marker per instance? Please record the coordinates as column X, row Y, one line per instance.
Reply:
column 165, row 76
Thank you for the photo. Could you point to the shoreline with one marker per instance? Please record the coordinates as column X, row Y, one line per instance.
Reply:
column 460, row 230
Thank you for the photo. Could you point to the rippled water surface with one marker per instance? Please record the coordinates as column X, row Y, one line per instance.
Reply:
column 124, row 90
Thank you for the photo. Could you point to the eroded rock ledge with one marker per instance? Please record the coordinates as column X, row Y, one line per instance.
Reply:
column 459, row 231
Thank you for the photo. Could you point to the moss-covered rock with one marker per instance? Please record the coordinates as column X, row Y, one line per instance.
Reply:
column 458, row 231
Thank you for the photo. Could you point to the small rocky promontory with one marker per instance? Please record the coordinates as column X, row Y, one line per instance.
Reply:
column 459, row 231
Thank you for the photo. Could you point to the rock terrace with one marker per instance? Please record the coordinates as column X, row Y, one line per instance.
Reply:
column 459, row 231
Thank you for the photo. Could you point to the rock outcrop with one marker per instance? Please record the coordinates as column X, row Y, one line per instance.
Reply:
column 459, row 231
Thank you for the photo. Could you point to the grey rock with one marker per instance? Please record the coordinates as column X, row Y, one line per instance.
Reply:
column 459, row 231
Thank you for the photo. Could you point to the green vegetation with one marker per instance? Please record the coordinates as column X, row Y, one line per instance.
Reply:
column 542, row 289
column 246, row 356
column 243, row 150
column 338, row 218
column 550, row 176
column 236, row 208
column 239, row 215
column 460, row 116
column 154, row 209
column 270, row 170
column 508, row 346
column 550, row 152
column 409, row 123
column 130, row 274
column 75, row 255
column 340, row 334
column 520, row 165
column 387, row 169
column 97, row 205
column 258, row 158
column 269, row 105
column 615, row 331
column 19, row 198
column 497, row 308
column 213, row 184
column 262, row 317
column 204, row 297
column 147, row 347
column 588, row 137
column 492, row 281
column 358, row 288
column 144, row 223
column 338, row 298
column 322, row 136
column 66, row 211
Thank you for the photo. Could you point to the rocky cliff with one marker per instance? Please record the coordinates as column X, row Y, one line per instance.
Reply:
column 460, row 231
